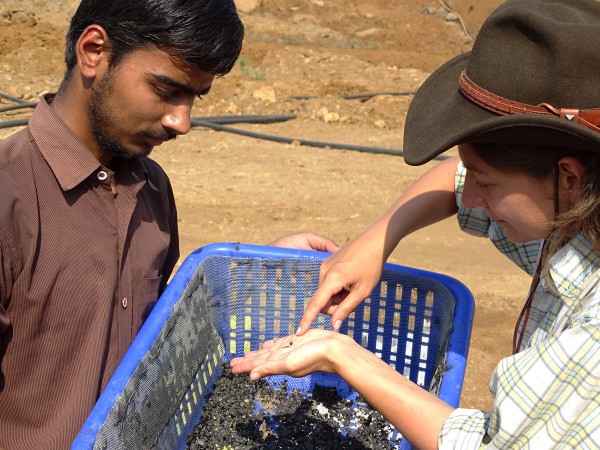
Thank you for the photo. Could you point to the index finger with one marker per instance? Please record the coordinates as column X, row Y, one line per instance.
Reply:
column 317, row 303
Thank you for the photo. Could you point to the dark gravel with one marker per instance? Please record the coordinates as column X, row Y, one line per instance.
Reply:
column 293, row 421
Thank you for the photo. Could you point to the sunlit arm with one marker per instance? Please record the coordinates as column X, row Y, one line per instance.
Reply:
column 416, row 414
column 348, row 276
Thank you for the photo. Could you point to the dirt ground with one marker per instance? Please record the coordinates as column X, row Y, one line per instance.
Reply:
column 241, row 189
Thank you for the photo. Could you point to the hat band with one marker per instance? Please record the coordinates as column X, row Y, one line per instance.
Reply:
column 500, row 105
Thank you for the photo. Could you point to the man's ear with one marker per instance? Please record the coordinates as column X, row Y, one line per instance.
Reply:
column 571, row 174
column 92, row 51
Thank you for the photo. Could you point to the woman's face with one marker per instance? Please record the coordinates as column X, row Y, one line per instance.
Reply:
column 522, row 205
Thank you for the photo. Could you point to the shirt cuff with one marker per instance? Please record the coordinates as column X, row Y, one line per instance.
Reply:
column 464, row 429
column 473, row 221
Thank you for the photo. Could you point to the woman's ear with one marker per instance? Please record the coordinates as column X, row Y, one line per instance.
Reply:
column 92, row 51
column 571, row 174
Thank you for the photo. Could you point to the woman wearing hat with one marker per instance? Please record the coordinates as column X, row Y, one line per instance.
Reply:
column 522, row 108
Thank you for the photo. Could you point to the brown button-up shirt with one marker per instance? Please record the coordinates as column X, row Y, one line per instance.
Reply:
column 85, row 251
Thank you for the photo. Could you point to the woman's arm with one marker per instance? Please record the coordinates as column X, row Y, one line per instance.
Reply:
column 348, row 276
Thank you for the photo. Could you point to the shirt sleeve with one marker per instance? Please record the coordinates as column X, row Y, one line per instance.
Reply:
column 4, row 300
column 473, row 221
column 5, row 325
column 173, row 251
column 476, row 222
column 5, row 268
column 464, row 429
column 546, row 395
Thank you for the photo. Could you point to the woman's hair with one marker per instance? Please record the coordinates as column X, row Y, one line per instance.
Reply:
column 540, row 162
column 206, row 34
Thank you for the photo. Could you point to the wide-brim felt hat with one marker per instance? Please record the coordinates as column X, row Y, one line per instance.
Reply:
column 532, row 77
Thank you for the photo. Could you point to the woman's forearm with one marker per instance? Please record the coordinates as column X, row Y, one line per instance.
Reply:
column 429, row 200
column 417, row 414
column 352, row 272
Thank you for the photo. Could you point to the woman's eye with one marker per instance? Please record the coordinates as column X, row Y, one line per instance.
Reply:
column 481, row 184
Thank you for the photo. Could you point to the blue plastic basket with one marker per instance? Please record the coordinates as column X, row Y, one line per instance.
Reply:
column 228, row 298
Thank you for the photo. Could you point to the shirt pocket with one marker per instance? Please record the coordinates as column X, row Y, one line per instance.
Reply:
column 147, row 299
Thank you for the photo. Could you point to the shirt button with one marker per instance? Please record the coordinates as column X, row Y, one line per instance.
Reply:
column 102, row 175
column 124, row 302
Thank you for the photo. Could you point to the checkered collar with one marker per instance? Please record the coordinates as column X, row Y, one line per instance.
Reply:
column 572, row 266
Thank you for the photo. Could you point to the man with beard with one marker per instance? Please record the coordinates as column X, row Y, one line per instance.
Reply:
column 88, row 224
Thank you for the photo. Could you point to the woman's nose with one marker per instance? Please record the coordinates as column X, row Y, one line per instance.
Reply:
column 471, row 197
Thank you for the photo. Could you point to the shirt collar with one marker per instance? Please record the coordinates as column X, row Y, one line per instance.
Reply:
column 134, row 173
column 572, row 266
column 69, row 159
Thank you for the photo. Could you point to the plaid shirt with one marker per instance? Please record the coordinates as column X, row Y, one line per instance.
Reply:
column 547, row 395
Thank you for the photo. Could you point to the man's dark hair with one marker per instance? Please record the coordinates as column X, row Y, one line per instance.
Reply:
column 206, row 34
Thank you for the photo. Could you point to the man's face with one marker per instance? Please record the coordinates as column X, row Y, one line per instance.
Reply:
column 144, row 100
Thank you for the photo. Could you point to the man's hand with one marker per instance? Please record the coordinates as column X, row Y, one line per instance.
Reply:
column 306, row 241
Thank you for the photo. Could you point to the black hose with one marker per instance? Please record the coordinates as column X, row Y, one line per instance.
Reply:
column 269, row 137
column 244, row 119
column 215, row 123
column 213, row 119
column 14, row 123
column 197, row 122
column 12, row 99
column 356, row 96
column 367, row 96
column 19, row 106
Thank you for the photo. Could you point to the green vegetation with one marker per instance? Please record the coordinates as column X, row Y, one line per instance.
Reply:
column 248, row 71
